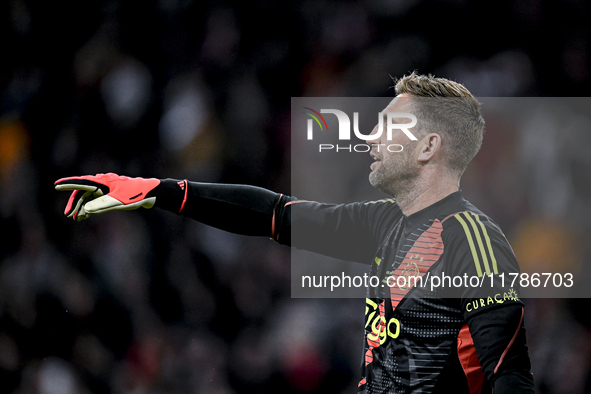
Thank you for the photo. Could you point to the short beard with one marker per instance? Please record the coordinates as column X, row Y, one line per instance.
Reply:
column 397, row 175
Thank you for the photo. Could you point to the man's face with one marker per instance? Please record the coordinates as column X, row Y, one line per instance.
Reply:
column 393, row 172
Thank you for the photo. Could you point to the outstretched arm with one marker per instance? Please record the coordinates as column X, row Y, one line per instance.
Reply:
column 241, row 209
column 341, row 231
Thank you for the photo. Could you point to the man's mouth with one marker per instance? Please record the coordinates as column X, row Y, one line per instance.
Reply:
column 376, row 160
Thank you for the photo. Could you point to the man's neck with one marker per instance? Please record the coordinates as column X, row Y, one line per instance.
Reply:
column 424, row 194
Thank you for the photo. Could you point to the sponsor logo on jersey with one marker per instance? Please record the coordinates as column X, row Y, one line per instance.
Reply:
column 499, row 298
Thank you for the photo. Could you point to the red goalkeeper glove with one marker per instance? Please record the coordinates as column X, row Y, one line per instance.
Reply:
column 94, row 194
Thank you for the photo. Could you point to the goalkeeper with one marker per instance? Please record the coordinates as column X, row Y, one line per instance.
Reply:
column 416, row 340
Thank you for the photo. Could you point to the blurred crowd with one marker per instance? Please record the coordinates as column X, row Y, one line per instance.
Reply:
column 148, row 302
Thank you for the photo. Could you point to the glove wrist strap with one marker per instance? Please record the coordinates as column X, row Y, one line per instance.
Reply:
column 171, row 194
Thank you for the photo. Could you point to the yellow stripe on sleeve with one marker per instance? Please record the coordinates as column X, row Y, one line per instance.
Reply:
column 490, row 249
column 479, row 240
column 471, row 243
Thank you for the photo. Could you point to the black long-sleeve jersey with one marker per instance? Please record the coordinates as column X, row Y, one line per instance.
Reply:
column 467, row 338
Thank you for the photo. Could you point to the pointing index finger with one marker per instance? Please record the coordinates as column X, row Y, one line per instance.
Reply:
column 86, row 183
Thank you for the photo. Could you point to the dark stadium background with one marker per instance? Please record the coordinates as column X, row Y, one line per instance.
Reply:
column 148, row 302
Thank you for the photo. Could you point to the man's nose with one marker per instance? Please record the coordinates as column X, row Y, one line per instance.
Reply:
column 375, row 140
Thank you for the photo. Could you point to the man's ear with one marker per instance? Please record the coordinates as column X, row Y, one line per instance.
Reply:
column 429, row 146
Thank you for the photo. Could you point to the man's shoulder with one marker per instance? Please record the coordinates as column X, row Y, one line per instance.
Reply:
column 385, row 209
column 382, row 210
column 472, row 237
column 466, row 220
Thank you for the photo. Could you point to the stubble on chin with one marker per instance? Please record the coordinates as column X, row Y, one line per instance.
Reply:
column 396, row 174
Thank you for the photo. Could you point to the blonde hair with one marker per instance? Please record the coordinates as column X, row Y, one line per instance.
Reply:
column 446, row 107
